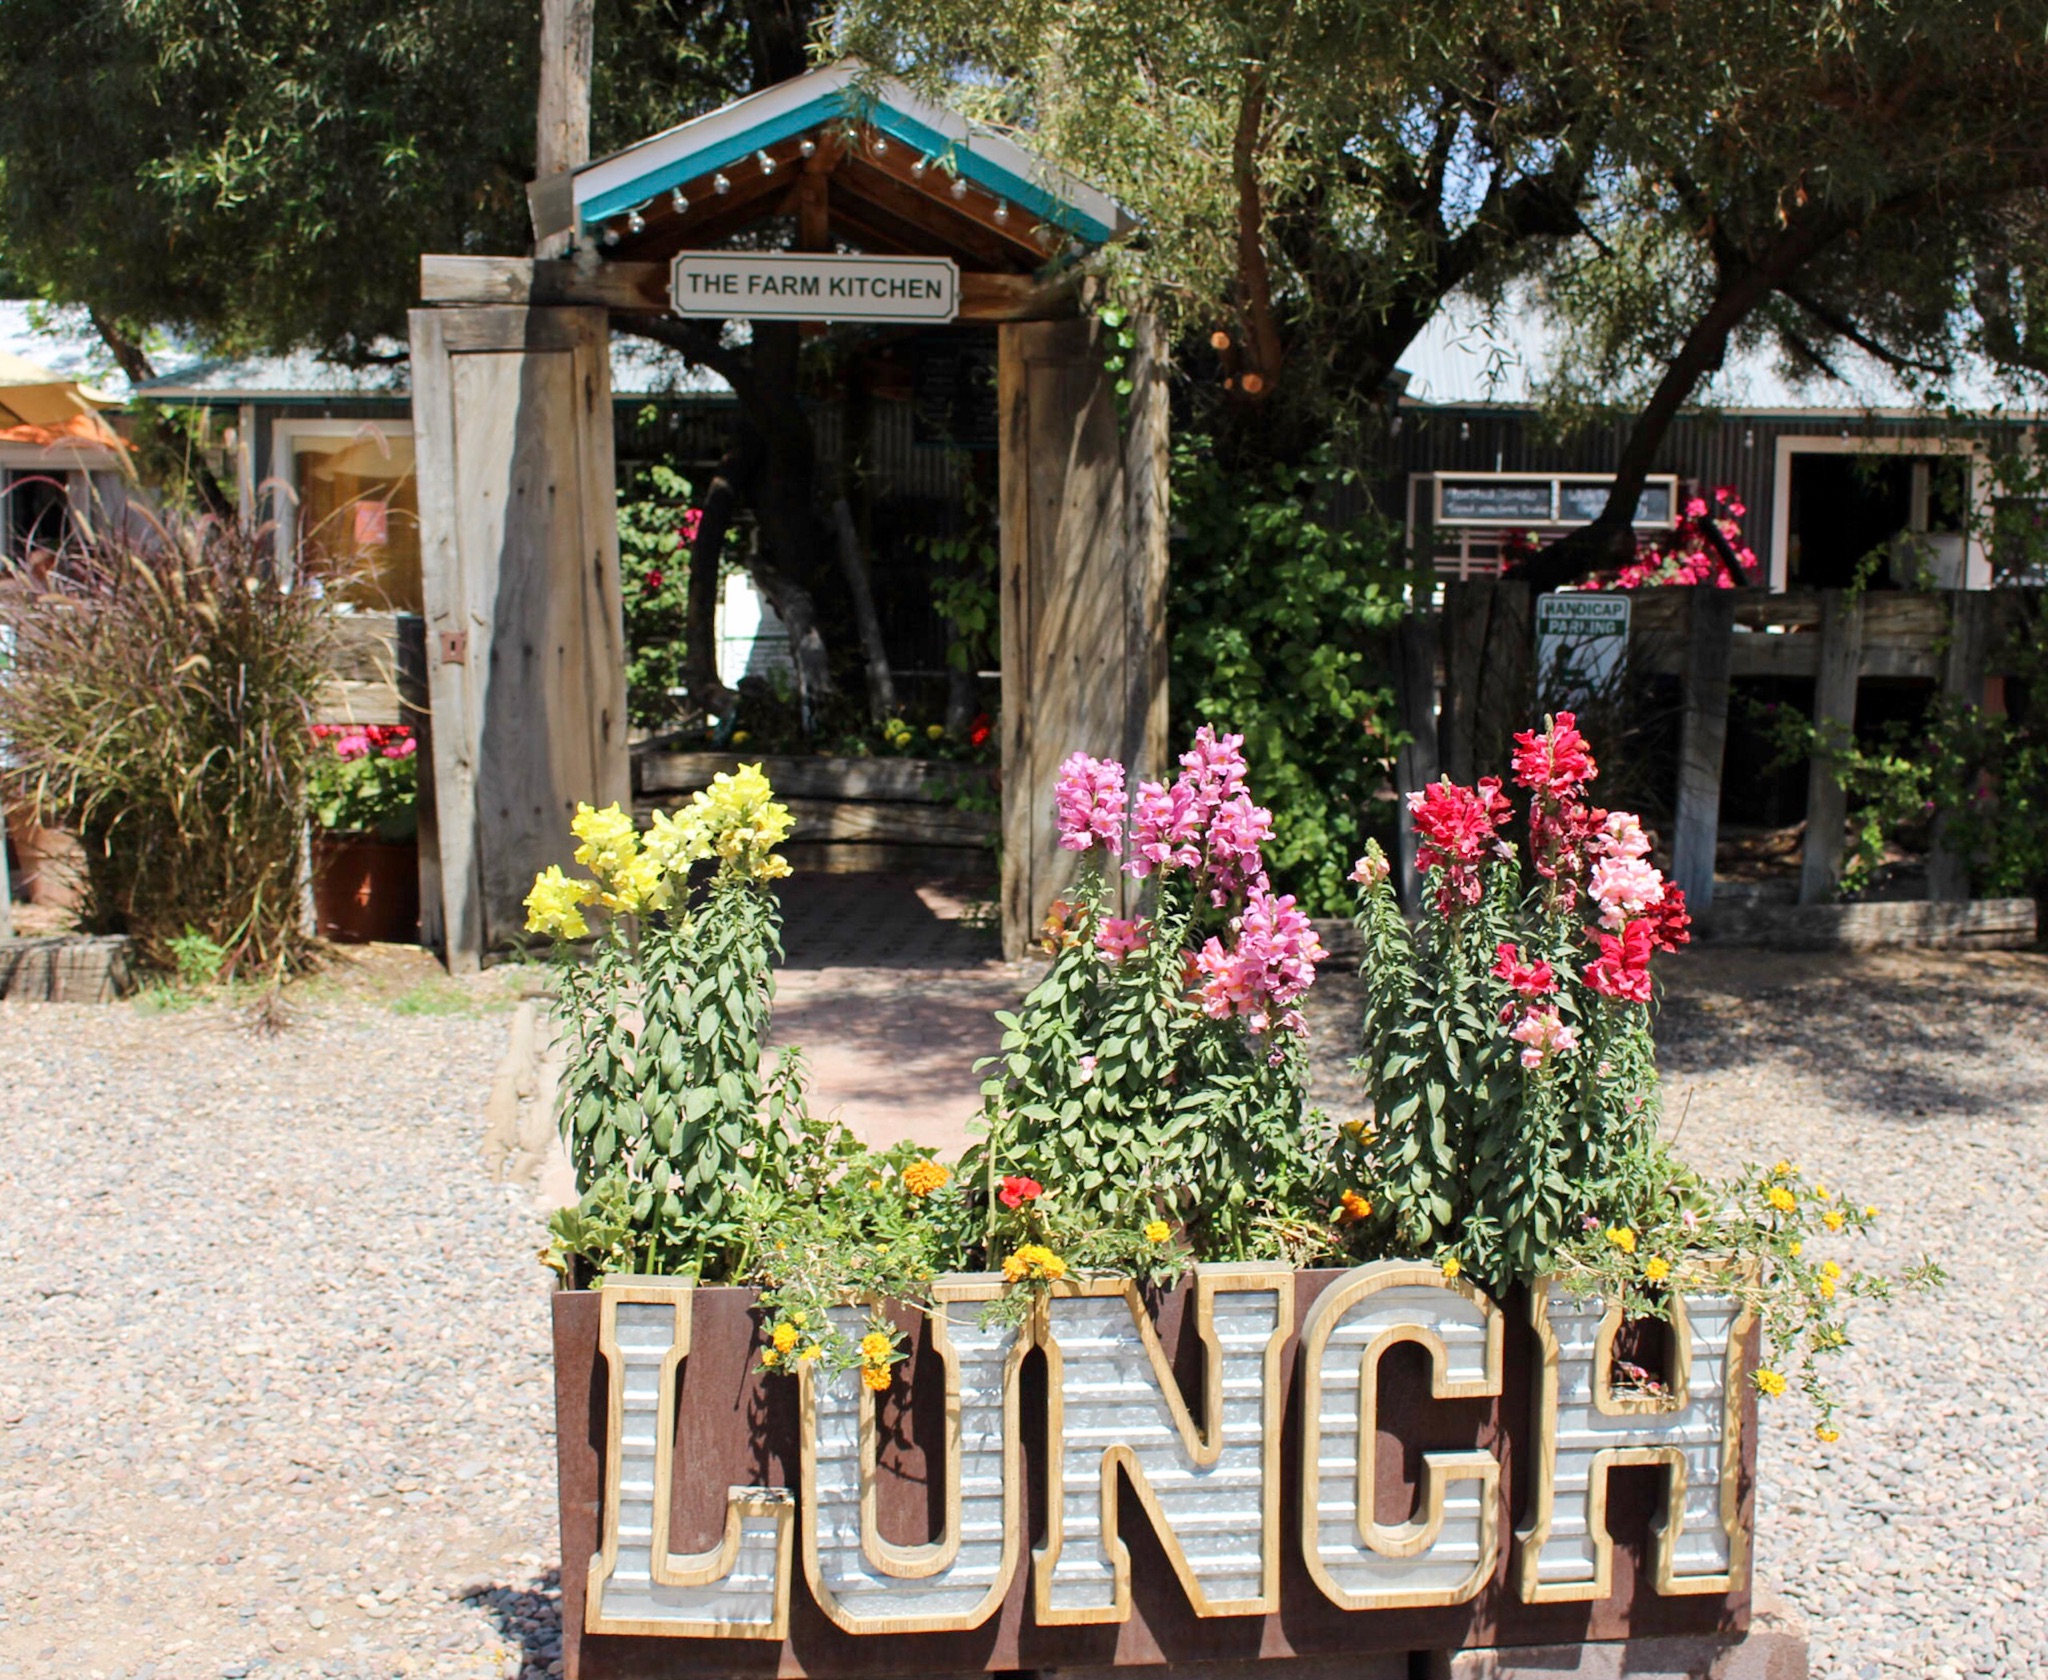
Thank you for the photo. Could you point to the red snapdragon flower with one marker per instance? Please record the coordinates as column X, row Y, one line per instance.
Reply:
column 1622, row 970
column 1532, row 980
column 1456, row 829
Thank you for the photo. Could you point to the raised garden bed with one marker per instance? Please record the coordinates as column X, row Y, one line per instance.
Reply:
column 66, row 968
column 875, row 1547
column 853, row 815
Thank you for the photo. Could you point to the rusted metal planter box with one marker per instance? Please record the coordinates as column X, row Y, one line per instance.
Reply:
column 1121, row 1480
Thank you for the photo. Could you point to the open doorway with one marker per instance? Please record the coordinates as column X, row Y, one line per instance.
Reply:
column 1890, row 516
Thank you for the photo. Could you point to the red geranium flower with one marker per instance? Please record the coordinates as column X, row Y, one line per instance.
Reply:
column 1017, row 1191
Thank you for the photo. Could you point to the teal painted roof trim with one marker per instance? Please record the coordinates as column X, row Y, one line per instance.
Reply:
column 1004, row 183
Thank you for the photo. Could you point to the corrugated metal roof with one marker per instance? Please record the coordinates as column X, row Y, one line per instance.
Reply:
column 1473, row 356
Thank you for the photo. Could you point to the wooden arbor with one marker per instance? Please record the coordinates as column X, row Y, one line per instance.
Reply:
column 513, row 415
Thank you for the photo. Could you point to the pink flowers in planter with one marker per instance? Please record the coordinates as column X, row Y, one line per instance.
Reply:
column 1271, row 966
column 1090, row 797
column 1205, row 827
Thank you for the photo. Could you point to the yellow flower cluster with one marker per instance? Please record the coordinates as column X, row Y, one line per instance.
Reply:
column 555, row 906
column 782, row 1342
column 877, row 1354
column 1623, row 1237
column 921, row 1178
column 1832, row 1219
column 1656, row 1268
column 736, row 820
column 1451, row 1266
column 1782, row 1199
column 1034, row 1261
column 1770, row 1382
column 1157, row 1231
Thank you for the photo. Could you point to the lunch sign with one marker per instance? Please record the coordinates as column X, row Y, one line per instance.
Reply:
column 801, row 286
column 1258, row 1463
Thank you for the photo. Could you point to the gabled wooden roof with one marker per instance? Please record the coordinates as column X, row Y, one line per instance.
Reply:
column 869, row 164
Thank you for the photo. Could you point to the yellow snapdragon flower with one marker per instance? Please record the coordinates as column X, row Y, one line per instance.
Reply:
column 610, row 841
column 555, row 906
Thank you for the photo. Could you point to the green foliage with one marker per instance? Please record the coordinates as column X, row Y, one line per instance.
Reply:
column 269, row 175
column 1115, row 1091
column 674, row 1122
column 1278, row 615
column 198, row 960
column 963, row 581
column 161, row 706
column 654, row 562
column 1476, row 1156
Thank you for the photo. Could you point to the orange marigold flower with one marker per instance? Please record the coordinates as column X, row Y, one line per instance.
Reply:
column 921, row 1178
column 1354, row 1207
column 875, row 1376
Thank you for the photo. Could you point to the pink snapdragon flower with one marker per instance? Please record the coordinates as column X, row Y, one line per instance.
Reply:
column 352, row 746
column 1622, row 836
column 1122, row 936
column 1237, row 830
column 401, row 749
column 1543, row 1037
column 1213, row 768
column 1369, row 870
column 1625, row 888
column 1267, row 969
column 1090, row 799
column 1456, row 830
column 1166, row 828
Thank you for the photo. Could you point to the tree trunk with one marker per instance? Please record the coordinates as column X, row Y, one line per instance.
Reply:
column 881, row 685
column 700, row 647
column 1610, row 539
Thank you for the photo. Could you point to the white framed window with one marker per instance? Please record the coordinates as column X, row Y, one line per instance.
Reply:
column 348, row 490
column 1935, row 490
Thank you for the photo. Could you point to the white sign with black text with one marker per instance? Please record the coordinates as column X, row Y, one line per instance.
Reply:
column 802, row 286
column 1581, row 645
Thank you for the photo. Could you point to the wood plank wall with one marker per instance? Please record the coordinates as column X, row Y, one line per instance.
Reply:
column 1481, row 689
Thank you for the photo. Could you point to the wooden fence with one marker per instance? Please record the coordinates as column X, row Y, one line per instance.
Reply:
column 1467, row 682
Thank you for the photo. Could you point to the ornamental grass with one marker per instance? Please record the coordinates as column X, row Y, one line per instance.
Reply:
column 161, row 705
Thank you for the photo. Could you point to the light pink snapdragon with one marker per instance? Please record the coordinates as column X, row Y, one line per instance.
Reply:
column 1268, row 968
column 1089, row 796
column 1543, row 1036
column 1213, row 768
column 1236, row 832
column 1624, row 888
column 1122, row 936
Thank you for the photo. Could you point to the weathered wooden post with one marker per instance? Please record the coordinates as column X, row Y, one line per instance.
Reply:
column 1415, row 650
column 1084, row 532
column 1962, row 683
column 1834, row 712
column 519, row 541
column 1703, row 737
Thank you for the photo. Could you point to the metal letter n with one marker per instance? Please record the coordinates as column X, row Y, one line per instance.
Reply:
column 1112, row 1402
column 1448, row 1552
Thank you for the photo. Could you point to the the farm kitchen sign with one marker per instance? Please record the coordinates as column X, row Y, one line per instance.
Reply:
column 793, row 286
column 1251, row 1418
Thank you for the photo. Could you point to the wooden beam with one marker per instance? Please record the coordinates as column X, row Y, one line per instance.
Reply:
column 988, row 247
column 642, row 287
column 562, row 118
column 1834, row 712
column 935, row 189
column 1415, row 643
column 1703, row 737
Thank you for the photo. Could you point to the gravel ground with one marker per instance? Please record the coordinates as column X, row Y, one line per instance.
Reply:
column 276, row 1397
column 276, row 1400
column 1918, row 1543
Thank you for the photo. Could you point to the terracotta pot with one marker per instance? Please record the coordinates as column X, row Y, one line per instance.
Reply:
column 366, row 889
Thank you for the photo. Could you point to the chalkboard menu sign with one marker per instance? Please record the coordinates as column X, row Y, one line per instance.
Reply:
column 953, row 392
column 1581, row 504
column 1490, row 501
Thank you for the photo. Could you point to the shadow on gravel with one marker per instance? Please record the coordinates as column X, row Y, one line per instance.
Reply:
column 1907, row 1035
column 529, row 1619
